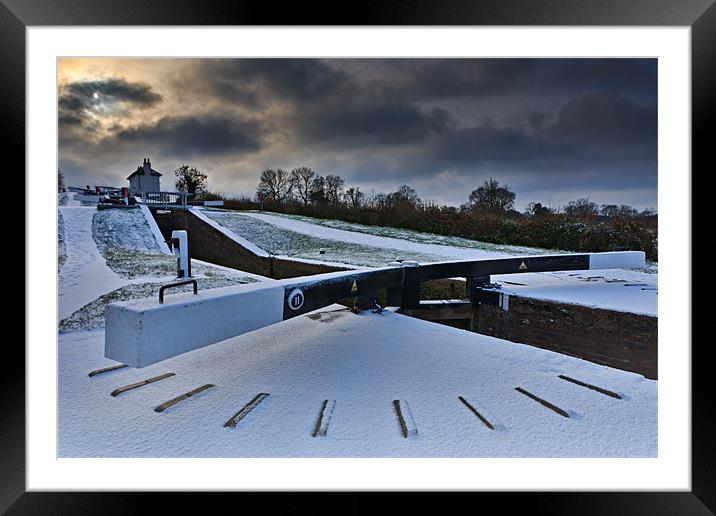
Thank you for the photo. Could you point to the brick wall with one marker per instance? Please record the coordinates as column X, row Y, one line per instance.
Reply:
column 211, row 245
column 617, row 339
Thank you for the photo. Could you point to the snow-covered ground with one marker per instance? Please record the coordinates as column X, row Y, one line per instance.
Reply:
column 364, row 362
column 359, row 361
column 84, row 275
column 114, row 255
column 614, row 289
column 354, row 244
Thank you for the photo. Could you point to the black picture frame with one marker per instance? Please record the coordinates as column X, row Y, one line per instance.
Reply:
column 700, row 15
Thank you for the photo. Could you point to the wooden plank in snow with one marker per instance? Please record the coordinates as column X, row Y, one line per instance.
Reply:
column 184, row 396
column 474, row 411
column 106, row 369
column 241, row 414
column 324, row 418
column 405, row 418
column 590, row 386
column 131, row 386
column 543, row 402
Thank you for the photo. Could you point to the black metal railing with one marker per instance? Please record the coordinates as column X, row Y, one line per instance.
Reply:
column 177, row 284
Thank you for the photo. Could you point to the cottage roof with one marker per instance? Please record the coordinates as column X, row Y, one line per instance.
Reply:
column 140, row 170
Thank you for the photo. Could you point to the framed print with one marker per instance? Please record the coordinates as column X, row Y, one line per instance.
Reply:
column 267, row 143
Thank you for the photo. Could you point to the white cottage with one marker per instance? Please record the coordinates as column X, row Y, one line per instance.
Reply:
column 144, row 179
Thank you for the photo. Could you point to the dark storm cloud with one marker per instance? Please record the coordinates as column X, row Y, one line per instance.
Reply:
column 599, row 127
column 252, row 81
column 635, row 78
column 71, row 103
column 487, row 143
column 71, row 110
column 78, row 99
column 206, row 134
column 68, row 118
column 439, row 79
column 114, row 90
column 606, row 119
column 360, row 125
column 430, row 79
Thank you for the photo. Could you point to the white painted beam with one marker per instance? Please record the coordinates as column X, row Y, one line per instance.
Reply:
column 163, row 247
column 142, row 332
column 618, row 260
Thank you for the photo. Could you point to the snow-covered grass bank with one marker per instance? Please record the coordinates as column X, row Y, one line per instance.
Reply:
column 408, row 235
column 126, row 242
column 304, row 244
column 364, row 362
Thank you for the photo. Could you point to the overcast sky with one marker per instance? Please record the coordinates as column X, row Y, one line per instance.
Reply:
column 553, row 130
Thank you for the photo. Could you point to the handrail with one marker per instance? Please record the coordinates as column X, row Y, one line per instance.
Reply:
column 165, row 198
column 177, row 284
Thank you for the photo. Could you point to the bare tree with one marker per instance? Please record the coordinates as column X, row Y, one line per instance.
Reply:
column 405, row 195
column 276, row 183
column 334, row 189
column 492, row 197
column 354, row 197
column 379, row 201
column 626, row 211
column 582, row 209
column 302, row 179
column 608, row 210
column 318, row 189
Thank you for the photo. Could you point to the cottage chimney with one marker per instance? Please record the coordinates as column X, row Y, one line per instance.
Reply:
column 147, row 167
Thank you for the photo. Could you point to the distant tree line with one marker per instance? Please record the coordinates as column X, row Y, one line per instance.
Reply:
column 488, row 214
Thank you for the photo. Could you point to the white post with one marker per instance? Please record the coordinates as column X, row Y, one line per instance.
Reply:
column 180, row 248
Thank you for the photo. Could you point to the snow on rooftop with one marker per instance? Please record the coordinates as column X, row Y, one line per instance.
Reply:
column 356, row 360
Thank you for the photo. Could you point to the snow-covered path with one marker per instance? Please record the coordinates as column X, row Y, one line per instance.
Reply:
column 85, row 275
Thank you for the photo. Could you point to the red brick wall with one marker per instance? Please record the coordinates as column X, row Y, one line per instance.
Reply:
column 211, row 245
column 617, row 339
